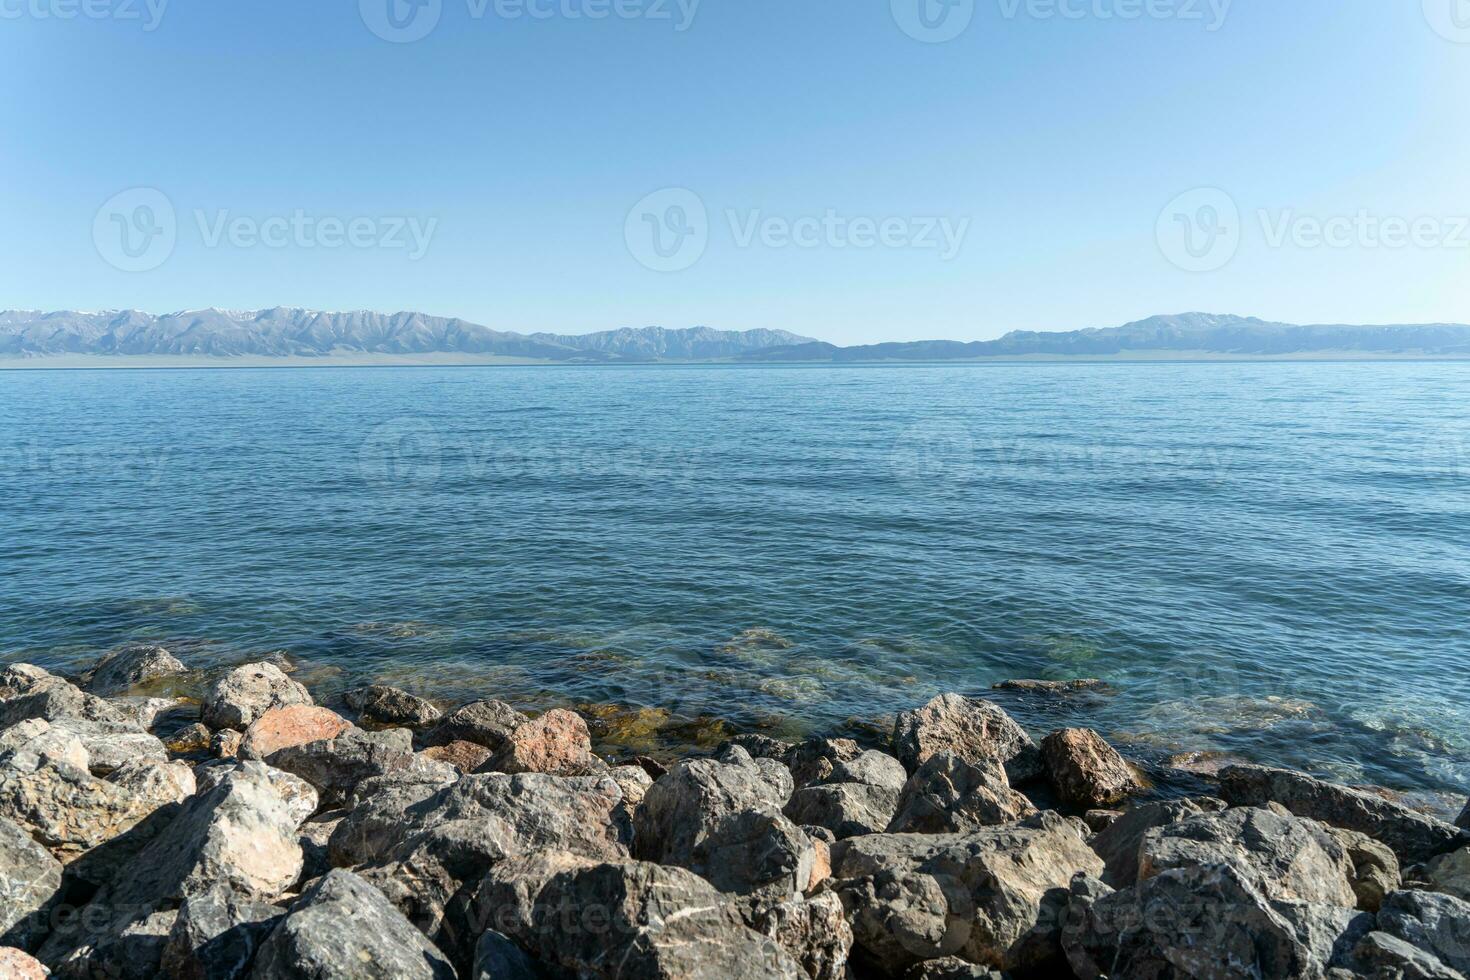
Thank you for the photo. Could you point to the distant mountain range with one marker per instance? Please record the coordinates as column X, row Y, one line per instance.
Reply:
column 284, row 332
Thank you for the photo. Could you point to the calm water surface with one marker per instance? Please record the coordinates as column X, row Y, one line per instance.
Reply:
column 1266, row 560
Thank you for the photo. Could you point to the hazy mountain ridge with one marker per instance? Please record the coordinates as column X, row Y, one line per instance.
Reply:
column 1181, row 334
column 285, row 332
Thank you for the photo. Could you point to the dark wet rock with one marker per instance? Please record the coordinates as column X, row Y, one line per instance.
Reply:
column 379, row 704
column 1051, row 687
column 1463, row 820
column 497, row 958
column 1286, row 858
column 970, row 728
column 977, row 895
column 1436, row 923
column 651, row 922
column 1085, row 770
column 813, row 930
column 123, row 669
column 343, row 927
column 284, row 728
column 951, row 968
column 557, row 743
column 336, row 766
column 487, row 723
column 1413, row 836
column 1381, row 955
column 300, row 797
column 812, row 761
column 844, row 809
column 950, row 795
column 29, row 879
column 249, row 691
column 1375, row 868
column 463, row 756
column 1203, row 921
column 66, row 808
column 655, row 769
column 1097, row 820
column 216, row 935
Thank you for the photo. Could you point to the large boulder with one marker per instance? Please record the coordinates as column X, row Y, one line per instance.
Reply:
column 249, row 691
column 111, row 745
column 557, row 743
column 978, row 895
column 683, row 806
column 846, row 809
column 342, row 928
column 948, row 795
column 29, row 879
column 216, row 935
column 1436, row 923
column 1413, row 836
column 1119, row 843
column 755, row 851
column 641, row 921
column 283, row 728
column 1286, row 858
column 66, row 808
column 486, row 723
column 379, row 704
column 161, row 782
column 122, row 669
column 970, row 728
column 1376, row 870
column 30, row 692
column 1380, row 955
column 336, row 766
column 1450, row 873
column 35, row 741
column 811, row 761
column 300, row 797
column 1085, row 770
column 1207, row 920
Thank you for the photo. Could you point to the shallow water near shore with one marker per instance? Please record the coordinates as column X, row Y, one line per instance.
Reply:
column 1266, row 561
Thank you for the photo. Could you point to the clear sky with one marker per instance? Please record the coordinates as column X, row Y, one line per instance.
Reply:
column 1025, row 173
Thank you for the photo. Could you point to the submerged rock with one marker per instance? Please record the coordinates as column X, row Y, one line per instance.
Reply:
column 122, row 669
column 1413, row 836
column 343, row 927
column 949, row 795
column 1051, row 687
column 249, row 691
column 970, row 728
column 1085, row 770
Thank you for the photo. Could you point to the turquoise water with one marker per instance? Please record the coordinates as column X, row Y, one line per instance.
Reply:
column 1265, row 560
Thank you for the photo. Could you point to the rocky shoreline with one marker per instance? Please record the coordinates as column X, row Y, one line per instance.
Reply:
column 253, row 833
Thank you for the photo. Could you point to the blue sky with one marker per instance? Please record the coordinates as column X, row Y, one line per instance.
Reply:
column 828, row 148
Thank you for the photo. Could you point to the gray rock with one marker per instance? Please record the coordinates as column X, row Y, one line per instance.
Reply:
column 812, row 761
column 1286, row 858
column 497, row 958
column 1375, row 868
column 1202, row 921
column 845, row 809
column 682, row 808
column 1463, row 820
column 1450, row 873
column 1434, row 922
column 111, row 745
column 383, row 705
column 122, row 669
column 132, row 951
column 161, row 782
column 1085, row 770
column 813, row 930
column 68, row 809
column 641, row 921
column 29, row 692
column 314, row 837
column 29, row 879
column 949, row 795
column 33, row 742
column 487, row 723
column 757, row 850
column 1121, row 841
column 760, row 746
column 249, row 691
column 335, row 766
column 216, row 935
column 978, row 895
column 300, row 797
column 1381, row 955
column 149, row 714
column 634, row 781
column 970, row 728
column 871, row 768
column 1414, row 837
column 343, row 927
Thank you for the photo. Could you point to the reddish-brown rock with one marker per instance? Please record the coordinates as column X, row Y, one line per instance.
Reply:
column 558, row 743
column 462, row 755
column 1085, row 770
column 298, row 724
column 16, row 965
